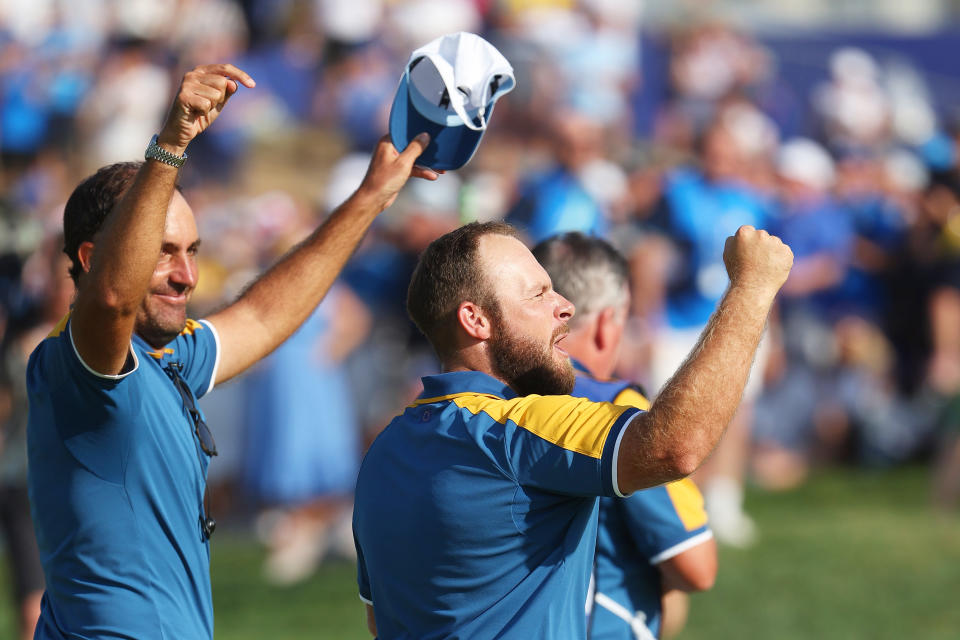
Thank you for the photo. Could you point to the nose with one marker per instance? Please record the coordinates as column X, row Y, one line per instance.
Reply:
column 184, row 270
column 564, row 308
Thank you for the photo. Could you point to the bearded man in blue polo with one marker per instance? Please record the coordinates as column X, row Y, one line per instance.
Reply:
column 476, row 509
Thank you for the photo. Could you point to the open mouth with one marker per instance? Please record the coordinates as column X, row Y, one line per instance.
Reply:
column 558, row 347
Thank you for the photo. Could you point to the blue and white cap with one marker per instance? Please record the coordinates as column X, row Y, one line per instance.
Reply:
column 448, row 89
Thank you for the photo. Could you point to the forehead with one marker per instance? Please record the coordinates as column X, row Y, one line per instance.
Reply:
column 181, row 227
column 509, row 265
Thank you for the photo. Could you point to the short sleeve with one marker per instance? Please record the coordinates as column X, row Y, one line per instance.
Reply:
column 198, row 348
column 558, row 444
column 64, row 361
column 363, row 578
column 666, row 520
column 62, row 387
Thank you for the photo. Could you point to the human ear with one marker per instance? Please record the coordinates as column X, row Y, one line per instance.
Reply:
column 473, row 320
column 608, row 329
column 85, row 255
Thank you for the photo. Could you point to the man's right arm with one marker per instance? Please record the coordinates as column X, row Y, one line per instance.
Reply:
column 691, row 413
column 128, row 246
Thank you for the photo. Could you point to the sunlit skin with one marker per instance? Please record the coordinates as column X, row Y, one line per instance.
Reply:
column 533, row 318
column 163, row 313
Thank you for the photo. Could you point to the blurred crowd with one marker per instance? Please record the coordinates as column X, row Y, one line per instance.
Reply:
column 860, row 176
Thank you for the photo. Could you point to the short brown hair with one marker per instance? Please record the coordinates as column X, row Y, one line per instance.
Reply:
column 89, row 205
column 446, row 274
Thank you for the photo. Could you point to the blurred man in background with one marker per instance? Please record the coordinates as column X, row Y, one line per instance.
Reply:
column 557, row 199
column 655, row 542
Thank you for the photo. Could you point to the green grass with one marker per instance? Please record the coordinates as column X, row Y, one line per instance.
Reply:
column 851, row 555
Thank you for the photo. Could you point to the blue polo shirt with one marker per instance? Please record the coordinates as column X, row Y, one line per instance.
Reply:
column 116, row 480
column 554, row 202
column 634, row 535
column 702, row 214
column 475, row 511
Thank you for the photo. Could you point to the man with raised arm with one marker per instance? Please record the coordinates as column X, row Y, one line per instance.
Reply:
column 654, row 546
column 118, row 450
column 476, row 509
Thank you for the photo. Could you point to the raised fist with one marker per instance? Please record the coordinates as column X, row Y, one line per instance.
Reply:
column 756, row 259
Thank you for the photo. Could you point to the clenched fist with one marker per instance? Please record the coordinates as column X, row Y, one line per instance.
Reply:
column 757, row 260
column 202, row 95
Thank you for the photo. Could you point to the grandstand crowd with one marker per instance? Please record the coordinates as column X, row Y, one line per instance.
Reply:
column 663, row 142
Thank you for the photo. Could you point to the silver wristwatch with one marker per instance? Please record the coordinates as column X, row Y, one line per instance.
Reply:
column 160, row 154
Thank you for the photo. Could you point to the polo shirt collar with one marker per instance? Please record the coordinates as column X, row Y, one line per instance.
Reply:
column 446, row 384
column 578, row 367
column 160, row 355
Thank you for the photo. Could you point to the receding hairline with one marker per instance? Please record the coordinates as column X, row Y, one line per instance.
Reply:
column 483, row 289
column 493, row 237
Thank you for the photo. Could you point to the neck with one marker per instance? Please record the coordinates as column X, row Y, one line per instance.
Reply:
column 473, row 358
column 582, row 347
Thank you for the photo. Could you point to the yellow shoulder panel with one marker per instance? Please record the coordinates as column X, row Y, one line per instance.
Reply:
column 630, row 397
column 191, row 326
column 576, row 424
column 57, row 330
column 450, row 396
column 688, row 502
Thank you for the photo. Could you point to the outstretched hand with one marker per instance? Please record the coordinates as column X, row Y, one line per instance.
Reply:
column 202, row 95
column 390, row 169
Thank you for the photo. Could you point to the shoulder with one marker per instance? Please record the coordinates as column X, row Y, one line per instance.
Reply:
column 575, row 424
column 194, row 333
column 619, row 392
column 55, row 359
column 532, row 410
column 193, row 326
column 632, row 395
column 58, row 336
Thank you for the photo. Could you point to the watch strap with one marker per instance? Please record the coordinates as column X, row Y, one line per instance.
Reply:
column 158, row 153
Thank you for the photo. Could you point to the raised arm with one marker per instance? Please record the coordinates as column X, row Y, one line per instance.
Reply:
column 281, row 299
column 119, row 264
column 693, row 410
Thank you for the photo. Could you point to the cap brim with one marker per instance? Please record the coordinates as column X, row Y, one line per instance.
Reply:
column 450, row 147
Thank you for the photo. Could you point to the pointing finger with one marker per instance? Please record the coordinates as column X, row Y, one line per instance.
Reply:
column 231, row 71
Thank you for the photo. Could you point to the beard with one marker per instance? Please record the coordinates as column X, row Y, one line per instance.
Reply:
column 529, row 367
column 158, row 325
